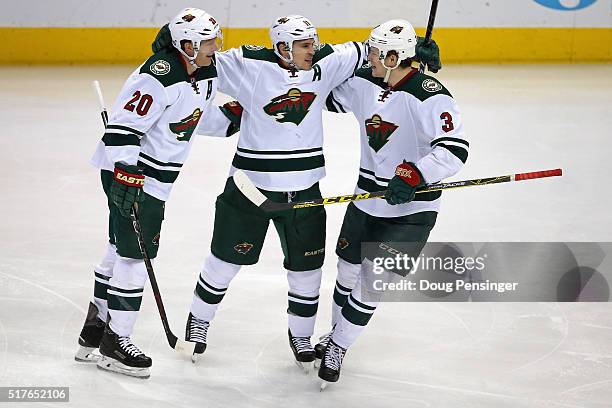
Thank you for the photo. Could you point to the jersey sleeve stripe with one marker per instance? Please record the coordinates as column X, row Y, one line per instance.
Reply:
column 459, row 152
column 117, row 139
column 371, row 173
column 126, row 128
column 159, row 163
column 333, row 105
column 163, row 176
column 449, row 139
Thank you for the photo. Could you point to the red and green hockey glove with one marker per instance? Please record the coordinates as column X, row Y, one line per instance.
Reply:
column 403, row 186
column 233, row 111
column 127, row 186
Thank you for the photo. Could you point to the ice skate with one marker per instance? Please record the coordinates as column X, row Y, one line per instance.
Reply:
column 303, row 352
column 329, row 371
column 90, row 337
column 321, row 346
column 196, row 331
column 120, row 355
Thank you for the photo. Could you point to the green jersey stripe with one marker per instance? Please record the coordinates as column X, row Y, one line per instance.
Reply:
column 160, row 163
column 163, row 176
column 460, row 152
column 371, row 173
column 449, row 139
column 280, row 152
column 278, row 165
column 119, row 139
column 127, row 129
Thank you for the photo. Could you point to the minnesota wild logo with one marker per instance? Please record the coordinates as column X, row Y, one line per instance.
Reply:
column 243, row 248
column 184, row 129
column 378, row 132
column 290, row 107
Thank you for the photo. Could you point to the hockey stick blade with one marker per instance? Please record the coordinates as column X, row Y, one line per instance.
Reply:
column 247, row 188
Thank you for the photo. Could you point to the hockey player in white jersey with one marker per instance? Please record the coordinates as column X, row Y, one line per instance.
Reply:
column 411, row 134
column 283, row 92
column 146, row 142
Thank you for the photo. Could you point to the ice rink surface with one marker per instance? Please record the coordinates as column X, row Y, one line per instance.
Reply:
column 518, row 118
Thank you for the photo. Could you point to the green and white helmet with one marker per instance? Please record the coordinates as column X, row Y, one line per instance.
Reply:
column 286, row 30
column 194, row 25
column 393, row 35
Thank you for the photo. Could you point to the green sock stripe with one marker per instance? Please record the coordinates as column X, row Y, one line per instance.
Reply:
column 103, row 277
column 362, row 305
column 124, row 303
column 126, row 291
column 100, row 290
column 302, row 309
column 355, row 316
column 339, row 298
column 301, row 297
column 206, row 296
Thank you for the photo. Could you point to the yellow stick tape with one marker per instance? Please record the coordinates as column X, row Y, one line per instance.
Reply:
column 462, row 45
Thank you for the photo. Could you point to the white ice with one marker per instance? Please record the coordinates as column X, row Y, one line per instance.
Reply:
column 519, row 118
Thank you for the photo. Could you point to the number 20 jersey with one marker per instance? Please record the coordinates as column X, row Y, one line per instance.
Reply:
column 158, row 110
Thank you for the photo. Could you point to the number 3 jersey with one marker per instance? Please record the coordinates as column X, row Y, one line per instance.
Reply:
column 281, row 131
column 158, row 110
column 417, row 120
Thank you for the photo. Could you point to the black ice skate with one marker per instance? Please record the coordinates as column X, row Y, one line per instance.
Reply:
column 321, row 346
column 120, row 355
column 91, row 334
column 196, row 331
column 303, row 352
column 331, row 363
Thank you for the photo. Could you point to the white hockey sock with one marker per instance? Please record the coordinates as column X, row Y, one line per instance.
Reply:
column 102, row 274
column 125, row 294
column 355, row 315
column 212, row 284
column 303, row 298
column 345, row 282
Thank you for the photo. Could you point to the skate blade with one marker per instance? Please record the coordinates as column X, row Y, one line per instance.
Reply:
column 112, row 365
column 306, row 367
column 324, row 385
column 87, row 355
column 195, row 357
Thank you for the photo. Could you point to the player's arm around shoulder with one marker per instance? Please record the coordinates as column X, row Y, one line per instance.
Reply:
column 442, row 125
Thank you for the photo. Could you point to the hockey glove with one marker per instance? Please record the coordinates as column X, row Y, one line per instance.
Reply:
column 127, row 187
column 163, row 39
column 233, row 111
column 404, row 184
column 428, row 54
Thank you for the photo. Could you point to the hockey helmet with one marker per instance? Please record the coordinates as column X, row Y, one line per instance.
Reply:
column 194, row 25
column 288, row 29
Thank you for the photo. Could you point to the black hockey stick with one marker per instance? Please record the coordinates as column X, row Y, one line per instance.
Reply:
column 430, row 26
column 176, row 343
column 247, row 188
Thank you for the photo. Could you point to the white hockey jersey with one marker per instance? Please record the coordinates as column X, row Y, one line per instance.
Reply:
column 281, row 131
column 154, row 117
column 417, row 120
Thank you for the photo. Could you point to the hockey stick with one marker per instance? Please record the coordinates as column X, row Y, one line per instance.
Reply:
column 175, row 342
column 430, row 25
column 247, row 188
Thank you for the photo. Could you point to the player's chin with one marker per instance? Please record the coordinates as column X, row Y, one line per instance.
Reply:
column 306, row 65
